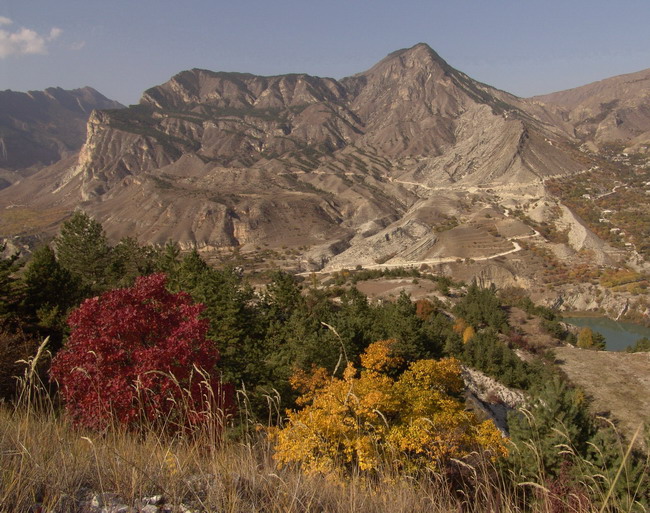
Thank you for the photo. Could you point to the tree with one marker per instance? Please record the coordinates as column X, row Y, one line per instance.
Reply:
column 641, row 345
column 468, row 334
column 47, row 284
column 128, row 260
column 50, row 291
column 416, row 418
column 558, row 414
column 138, row 354
column 589, row 339
column 398, row 320
column 481, row 307
column 9, row 296
column 82, row 249
column 168, row 258
column 283, row 297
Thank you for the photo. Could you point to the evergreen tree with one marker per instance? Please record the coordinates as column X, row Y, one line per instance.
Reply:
column 168, row 260
column 82, row 249
column 354, row 320
column 481, row 307
column 50, row 290
column 283, row 297
column 9, row 285
column 234, row 322
column 128, row 261
column 606, row 452
column 399, row 321
column 641, row 345
column 557, row 415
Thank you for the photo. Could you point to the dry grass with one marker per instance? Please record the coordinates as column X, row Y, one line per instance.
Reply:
column 26, row 221
column 617, row 382
column 45, row 460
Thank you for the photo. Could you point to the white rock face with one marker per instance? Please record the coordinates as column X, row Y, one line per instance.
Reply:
column 493, row 398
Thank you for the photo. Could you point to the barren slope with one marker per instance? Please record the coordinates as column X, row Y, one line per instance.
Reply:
column 617, row 382
column 613, row 109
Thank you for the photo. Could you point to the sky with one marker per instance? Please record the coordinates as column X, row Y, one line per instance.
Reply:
column 121, row 48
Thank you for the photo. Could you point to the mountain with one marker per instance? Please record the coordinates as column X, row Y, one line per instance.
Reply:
column 39, row 128
column 614, row 109
column 410, row 105
column 391, row 165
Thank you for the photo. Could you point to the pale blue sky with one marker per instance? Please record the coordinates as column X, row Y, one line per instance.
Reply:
column 123, row 47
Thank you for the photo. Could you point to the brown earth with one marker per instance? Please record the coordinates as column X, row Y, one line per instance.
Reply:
column 392, row 288
column 617, row 382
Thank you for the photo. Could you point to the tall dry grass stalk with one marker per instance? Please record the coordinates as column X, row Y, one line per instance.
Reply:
column 45, row 460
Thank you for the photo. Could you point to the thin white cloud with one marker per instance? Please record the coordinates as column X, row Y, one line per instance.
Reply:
column 54, row 33
column 24, row 41
column 78, row 45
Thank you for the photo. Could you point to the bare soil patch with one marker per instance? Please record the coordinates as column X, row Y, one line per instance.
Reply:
column 384, row 289
column 617, row 382
column 532, row 330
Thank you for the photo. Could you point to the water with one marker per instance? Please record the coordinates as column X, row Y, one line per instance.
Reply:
column 618, row 335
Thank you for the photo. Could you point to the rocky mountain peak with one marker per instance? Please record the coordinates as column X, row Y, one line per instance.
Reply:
column 613, row 109
column 419, row 56
column 408, row 64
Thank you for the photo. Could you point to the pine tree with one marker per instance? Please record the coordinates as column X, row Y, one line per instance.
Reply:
column 50, row 290
column 9, row 286
column 557, row 415
column 82, row 249
column 128, row 261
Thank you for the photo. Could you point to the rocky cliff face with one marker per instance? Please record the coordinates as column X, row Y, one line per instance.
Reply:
column 39, row 128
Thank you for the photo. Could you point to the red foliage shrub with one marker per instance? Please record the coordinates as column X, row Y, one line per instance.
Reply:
column 133, row 355
column 424, row 308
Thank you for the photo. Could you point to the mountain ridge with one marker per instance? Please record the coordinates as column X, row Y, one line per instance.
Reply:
column 38, row 128
column 613, row 109
column 363, row 169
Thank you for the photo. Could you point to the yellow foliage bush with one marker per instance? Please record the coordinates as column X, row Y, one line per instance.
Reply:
column 415, row 419
column 468, row 334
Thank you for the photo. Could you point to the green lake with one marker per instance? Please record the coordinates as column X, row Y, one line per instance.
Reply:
column 618, row 335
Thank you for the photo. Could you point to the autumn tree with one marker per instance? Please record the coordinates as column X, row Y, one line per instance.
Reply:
column 416, row 418
column 468, row 334
column 138, row 354
column 589, row 339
